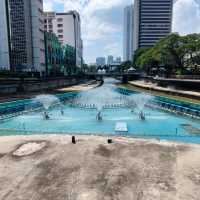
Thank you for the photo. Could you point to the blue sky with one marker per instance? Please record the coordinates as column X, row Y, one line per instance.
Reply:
column 102, row 22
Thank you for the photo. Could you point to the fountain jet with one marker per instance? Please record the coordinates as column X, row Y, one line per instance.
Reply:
column 46, row 115
column 99, row 116
column 142, row 116
column 62, row 111
column 46, row 101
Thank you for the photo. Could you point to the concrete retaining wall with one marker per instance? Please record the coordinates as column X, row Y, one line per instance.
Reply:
column 184, row 84
column 36, row 86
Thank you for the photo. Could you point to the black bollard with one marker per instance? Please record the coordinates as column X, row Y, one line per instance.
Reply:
column 110, row 141
column 73, row 140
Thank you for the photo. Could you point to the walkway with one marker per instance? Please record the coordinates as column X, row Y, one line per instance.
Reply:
column 168, row 90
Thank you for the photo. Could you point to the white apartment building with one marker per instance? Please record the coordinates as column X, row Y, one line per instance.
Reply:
column 67, row 27
column 48, row 21
column 100, row 61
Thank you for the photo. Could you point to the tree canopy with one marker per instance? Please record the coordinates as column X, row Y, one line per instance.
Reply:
column 175, row 54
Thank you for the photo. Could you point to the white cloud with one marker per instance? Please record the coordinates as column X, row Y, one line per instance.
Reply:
column 186, row 17
column 96, row 30
column 48, row 5
column 95, row 5
column 93, row 27
column 113, row 49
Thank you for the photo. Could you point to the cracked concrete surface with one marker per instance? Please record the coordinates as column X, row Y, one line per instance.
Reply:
column 94, row 170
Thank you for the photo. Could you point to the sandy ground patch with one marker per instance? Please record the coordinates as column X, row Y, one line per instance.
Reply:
column 127, row 169
column 29, row 148
column 80, row 87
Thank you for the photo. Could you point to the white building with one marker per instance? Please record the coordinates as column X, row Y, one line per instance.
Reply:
column 67, row 27
column 4, row 48
column 48, row 21
column 118, row 60
column 110, row 60
column 128, row 33
column 100, row 61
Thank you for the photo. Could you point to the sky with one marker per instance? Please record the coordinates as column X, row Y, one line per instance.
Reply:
column 102, row 22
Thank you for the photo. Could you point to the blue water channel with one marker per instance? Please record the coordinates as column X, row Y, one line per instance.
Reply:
column 159, row 124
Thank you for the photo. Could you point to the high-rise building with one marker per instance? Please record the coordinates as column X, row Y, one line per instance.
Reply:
column 67, row 27
column 37, row 21
column 48, row 21
column 100, row 61
column 25, row 34
column 4, row 37
column 128, row 33
column 118, row 60
column 110, row 60
column 152, row 21
column 21, row 55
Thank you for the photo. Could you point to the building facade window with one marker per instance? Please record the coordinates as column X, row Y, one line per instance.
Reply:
column 59, row 19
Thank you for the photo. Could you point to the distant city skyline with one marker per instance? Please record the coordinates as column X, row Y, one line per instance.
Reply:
column 100, row 61
column 110, row 59
column 102, row 22
column 107, row 60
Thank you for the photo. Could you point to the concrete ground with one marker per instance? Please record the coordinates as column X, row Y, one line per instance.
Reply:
column 127, row 169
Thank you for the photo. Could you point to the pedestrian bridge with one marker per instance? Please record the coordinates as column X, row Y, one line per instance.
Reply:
column 121, row 76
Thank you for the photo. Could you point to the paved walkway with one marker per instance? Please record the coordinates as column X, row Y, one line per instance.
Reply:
column 168, row 90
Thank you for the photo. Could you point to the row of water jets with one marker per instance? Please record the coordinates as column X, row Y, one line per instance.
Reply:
column 99, row 98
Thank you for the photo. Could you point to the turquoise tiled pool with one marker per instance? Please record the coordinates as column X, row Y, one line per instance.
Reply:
column 76, row 120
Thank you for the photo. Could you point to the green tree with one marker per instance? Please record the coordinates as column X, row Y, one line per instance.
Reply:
column 85, row 68
column 125, row 66
column 92, row 68
column 175, row 53
column 192, row 48
column 137, row 54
